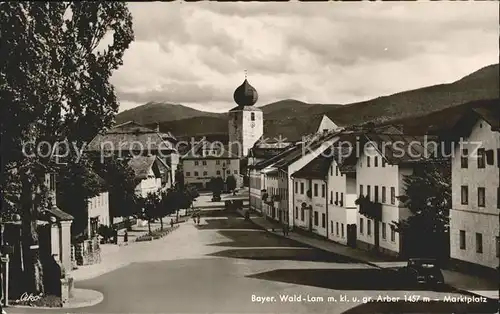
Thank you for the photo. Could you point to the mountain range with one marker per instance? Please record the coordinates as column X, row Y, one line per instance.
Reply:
column 421, row 110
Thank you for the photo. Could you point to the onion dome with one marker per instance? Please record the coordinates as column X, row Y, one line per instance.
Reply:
column 245, row 95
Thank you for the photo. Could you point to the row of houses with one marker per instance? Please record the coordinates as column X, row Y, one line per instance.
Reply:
column 314, row 184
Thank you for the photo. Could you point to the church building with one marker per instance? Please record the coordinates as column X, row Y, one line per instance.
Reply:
column 246, row 122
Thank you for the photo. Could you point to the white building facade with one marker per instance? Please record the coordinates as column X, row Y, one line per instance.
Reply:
column 474, row 218
column 98, row 212
column 342, row 210
column 381, row 182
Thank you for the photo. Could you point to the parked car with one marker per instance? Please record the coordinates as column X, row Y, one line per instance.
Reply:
column 422, row 271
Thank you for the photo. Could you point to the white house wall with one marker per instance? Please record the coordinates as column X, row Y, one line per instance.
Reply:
column 343, row 187
column 98, row 206
column 319, row 207
column 471, row 218
column 326, row 124
column 389, row 177
column 200, row 171
column 306, row 158
column 300, row 198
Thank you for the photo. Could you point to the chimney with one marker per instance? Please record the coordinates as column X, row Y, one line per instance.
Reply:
column 157, row 127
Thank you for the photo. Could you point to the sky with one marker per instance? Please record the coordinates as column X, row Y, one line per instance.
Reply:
column 196, row 54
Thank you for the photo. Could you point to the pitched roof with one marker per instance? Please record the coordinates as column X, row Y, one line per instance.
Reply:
column 142, row 165
column 132, row 137
column 311, row 144
column 209, row 150
column 400, row 149
column 263, row 164
column 491, row 115
column 317, row 168
column 59, row 214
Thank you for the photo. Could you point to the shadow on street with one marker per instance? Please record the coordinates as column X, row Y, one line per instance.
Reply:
column 342, row 279
column 423, row 307
column 230, row 223
column 304, row 255
column 255, row 239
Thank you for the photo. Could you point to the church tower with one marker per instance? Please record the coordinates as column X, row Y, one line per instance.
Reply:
column 246, row 122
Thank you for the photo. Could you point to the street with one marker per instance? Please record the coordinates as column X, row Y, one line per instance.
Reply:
column 228, row 265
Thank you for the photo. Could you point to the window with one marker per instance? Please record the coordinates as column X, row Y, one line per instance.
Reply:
column 336, row 170
column 464, row 159
column 204, row 162
column 361, row 192
column 393, row 234
column 376, row 193
column 464, row 194
column 337, row 197
column 497, row 242
column 498, row 197
column 323, row 190
column 323, row 220
column 481, row 192
column 218, row 172
column 196, row 173
column 368, row 192
column 384, row 196
column 252, row 116
column 341, row 199
column 384, row 231
column 375, row 161
column 235, row 171
column 368, row 161
column 315, row 189
column 331, row 170
column 383, row 162
column 316, row 218
column 479, row 243
column 296, row 212
column 342, row 230
column 301, row 187
column 337, row 228
column 393, row 195
column 462, row 239
column 228, row 171
column 296, row 187
column 331, row 197
column 481, row 158
column 331, row 225
column 205, row 173
column 369, row 227
column 302, row 214
column 361, row 226
column 188, row 174
column 217, row 162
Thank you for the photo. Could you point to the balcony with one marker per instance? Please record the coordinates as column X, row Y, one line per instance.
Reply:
column 369, row 209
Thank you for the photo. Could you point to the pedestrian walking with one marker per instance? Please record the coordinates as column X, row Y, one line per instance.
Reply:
column 172, row 223
column 284, row 231
column 198, row 219
column 125, row 236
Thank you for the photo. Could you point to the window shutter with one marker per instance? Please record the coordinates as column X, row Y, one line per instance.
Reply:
column 498, row 197
column 490, row 157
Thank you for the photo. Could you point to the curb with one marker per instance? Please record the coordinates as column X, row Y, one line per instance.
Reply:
column 454, row 289
column 98, row 297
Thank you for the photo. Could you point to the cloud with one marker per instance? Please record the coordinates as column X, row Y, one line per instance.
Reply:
column 337, row 52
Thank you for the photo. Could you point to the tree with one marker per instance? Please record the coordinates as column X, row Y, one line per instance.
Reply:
column 216, row 186
column 76, row 184
column 179, row 179
column 54, row 85
column 150, row 208
column 427, row 194
column 231, row 183
column 120, row 183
